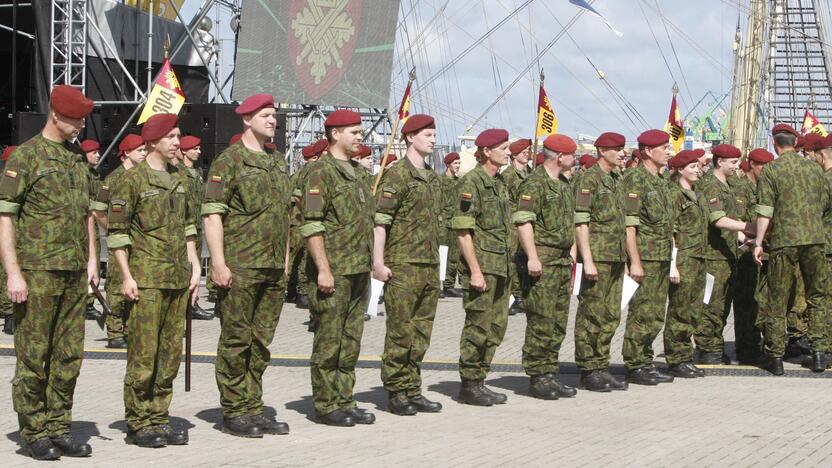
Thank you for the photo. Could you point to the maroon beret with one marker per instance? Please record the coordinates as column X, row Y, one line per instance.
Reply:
column 235, row 138
column 726, row 151
column 315, row 149
column 158, row 126
column 587, row 160
column 653, row 138
column 189, row 142
column 343, row 118
column 823, row 143
column 682, row 159
column 254, row 103
column 699, row 152
column 8, row 152
column 610, row 140
column 451, row 157
column 800, row 142
column 636, row 154
column 391, row 158
column 539, row 158
column 784, row 128
column 518, row 146
column 417, row 122
column 89, row 145
column 560, row 144
column 745, row 166
column 810, row 140
column 130, row 142
column 363, row 151
column 760, row 156
column 270, row 146
column 70, row 102
column 491, row 137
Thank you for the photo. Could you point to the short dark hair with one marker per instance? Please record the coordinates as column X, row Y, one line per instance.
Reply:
column 328, row 134
column 785, row 140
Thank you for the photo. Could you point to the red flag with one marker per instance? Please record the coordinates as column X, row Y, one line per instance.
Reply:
column 404, row 108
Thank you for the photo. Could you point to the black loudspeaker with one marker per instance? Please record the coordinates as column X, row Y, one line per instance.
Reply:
column 25, row 125
column 104, row 123
column 212, row 123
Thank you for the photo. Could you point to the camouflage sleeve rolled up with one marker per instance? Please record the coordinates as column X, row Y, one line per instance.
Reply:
column 765, row 193
column 467, row 205
column 633, row 191
column 716, row 201
column 122, row 206
column 314, row 203
column 13, row 184
column 219, row 186
column 96, row 186
column 391, row 190
column 528, row 202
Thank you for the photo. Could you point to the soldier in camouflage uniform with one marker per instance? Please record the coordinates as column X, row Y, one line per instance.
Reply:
column 90, row 149
column 649, row 242
column 824, row 158
column 5, row 304
column 482, row 226
column 514, row 175
column 797, row 237
column 545, row 211
column 337, row 210
column 246, row 205
column 688, row 279
column 152, row 236
column 406, row 258
column 449, row 182
column 599, row 232
column 45, row 198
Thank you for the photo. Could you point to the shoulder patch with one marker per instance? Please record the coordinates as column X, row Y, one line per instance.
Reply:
column 214, row 188
column 118, row 213
column 9, row 183
column 525, row 203
column 631, row 203
column 103, row 194
column 584, row 199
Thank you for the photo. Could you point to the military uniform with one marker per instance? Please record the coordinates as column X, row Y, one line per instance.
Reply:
column 338, row 204
column 450, row 195
column 118, row 303
column 513, row 178
column 406, row 204
column 95, row 205
column 748, row 337
column 250, row 191
column 296, row 277
column 5, row 303
column 46, row 190
column 150, row 215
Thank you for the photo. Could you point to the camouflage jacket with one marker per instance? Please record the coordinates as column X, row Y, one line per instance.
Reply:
column 550, row 205
column 250, row 190
column 792, row 192
column 195, row 191
column 745, row 196
column 690, row 221
column 513, row 178
column 338, row 202
column 827, row 215
column 721, row 202
column 96, row 186
column 46, row 186
column 149, row 213
column 483, row 209
column 449, row 198
column 296, row 183
column 599, row 203
column 407, row 201
column 113, row 271
column 648, row 206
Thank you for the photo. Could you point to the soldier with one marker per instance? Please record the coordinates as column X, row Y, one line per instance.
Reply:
column 245, row 210
column 517, row 171
column 724, row 221
column 823, row 155
column 152, row 236
column 364, row 157
column 90, row 149
column 685, row 295
column 190, row 148
column 391, row 160
column 649, row 242
column 586, row 161
column 796, row 238
column 703, row 160
column 481, row 224
column 599, row 231
column 544, row 216
column 45, row 197
column 5, row 304
column 405, row 256
column 449, row 182
column 338, row 210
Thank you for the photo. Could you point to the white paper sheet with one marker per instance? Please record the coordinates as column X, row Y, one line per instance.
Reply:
column 443, row 262
column 673, row 259
column 576, row 280
column 709, row 288
column 627, row 291
column 375, row 292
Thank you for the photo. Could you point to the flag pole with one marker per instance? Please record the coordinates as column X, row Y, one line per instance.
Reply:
column 393, row 132
column 537, row 114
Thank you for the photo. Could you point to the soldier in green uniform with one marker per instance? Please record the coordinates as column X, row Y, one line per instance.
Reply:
column 5, row 304
column 545, row 211
column 406, row 257
column 482, row 226
column 190, row 149
column 720, row 254
column 245, row 210
column 152, row 236
column 824, row 158
column 795, row 219
column 516, row 172
column 449, row 182
column 688, row 278
column 45, row 198
column 649, row 243
column 599, row 233
column 337, row 210
column 90, row 149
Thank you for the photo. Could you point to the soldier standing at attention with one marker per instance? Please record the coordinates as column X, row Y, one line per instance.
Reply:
column 5, row 304
column 338, row 209
column 481, row 223
column 90, row 149
column 513, row 176
column 599, row 232
column 45, row 198
column 246, row 205
column 153, row 238
column 545, row 211
column 649, row 243
column 792, row 196
column 406, row 257
column 449, row 181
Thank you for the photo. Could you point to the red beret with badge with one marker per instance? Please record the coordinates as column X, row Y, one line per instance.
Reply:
column 315, row 149
column 89, row 145
column 189, row 142
column 699, row 152
column 726, row 151
column 610, row 140
column 254, row 103
column 682, row 159
column 391, row 158
column 363, row 151
column 745, row 166
column 343, row 118
column 130, row 142
column 586, row 161
column 491, row 137
column 451, row 157
column 8, row 152
column 784, row 128
column 158, row 126
column 70, row 102
column 760, row 156
column 416, row 123
column 653, row 138
column 810, row 140
column 518, row 146
column 560, row 144
column 800, row 142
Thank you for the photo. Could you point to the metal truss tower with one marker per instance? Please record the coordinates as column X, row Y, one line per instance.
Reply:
column 68, row 59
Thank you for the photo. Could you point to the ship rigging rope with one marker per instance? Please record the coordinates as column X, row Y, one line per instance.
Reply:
column 659, row 46
column 673, row 49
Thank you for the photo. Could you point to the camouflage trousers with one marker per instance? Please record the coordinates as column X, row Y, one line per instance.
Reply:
column 154, row 351
column 49, row 345
column 814, row 268
column 120, row 306
column 339, row 324
column 251, row 310
column 646, row 314
column 684, row 310
column 598, row 316
column 486, row 320
column 708, row 337
column 296, row 281
column 747, row 336
column 516, row 288
column 452, row 265
column 5, row 303
column 797, row 322
column 410, row 299
column 546, row 316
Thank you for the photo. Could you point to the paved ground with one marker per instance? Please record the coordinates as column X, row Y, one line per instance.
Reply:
column 735, row 416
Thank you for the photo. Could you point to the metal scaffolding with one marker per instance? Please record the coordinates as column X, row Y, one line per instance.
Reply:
column 68, row 59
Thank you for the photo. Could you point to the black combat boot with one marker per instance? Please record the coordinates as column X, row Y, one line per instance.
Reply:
column 198, row 313
column 242, row 426
column 615, row 383
column 517, row 308
column 819, row 363
column 540, row 387
column 338, row 418
column 563, row 390
column 399, row 404
column 710, row 358
column 641, row 376
column 269, row 425
column 147, row 437
column 773, row 364
column 361, row 416
column 70, row 448
column 423, row 405
column 662, row 377
column 471, row 393
column 699, row 372
column 44, row 449
column 173, row 436
column 682, row 370
column 8, row 325
column 302, row 302
column 497, row 398
column 117, row 343
column 452, row 292
column 594, row 381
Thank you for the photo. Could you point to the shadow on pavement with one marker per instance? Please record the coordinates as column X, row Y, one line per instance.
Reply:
column 303, row 406
column 376, row 396
column 448, row 388
column 82, row 431
column 175, row 422
column 214, row 416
